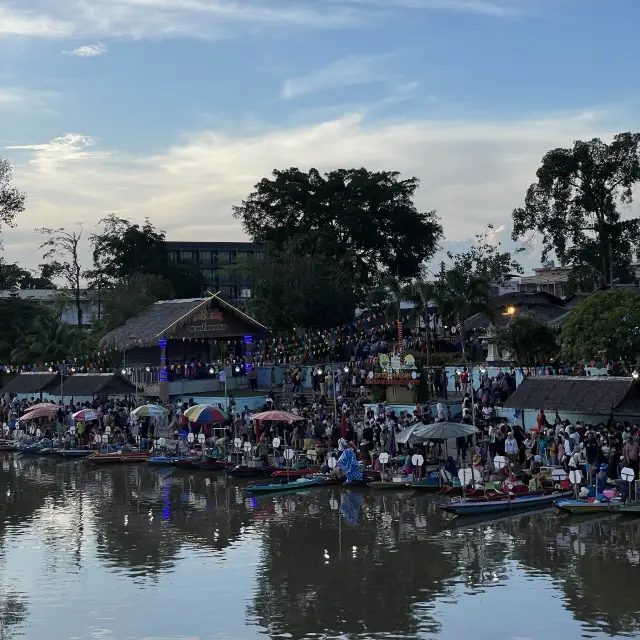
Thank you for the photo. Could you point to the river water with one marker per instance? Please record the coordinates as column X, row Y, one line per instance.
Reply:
column 134, row 553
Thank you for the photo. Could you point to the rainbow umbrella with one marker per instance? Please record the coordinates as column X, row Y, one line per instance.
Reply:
column 205, row 413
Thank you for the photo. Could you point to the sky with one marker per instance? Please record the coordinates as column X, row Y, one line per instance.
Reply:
column 174, row 109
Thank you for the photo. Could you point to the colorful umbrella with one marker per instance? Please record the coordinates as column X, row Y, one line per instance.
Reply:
column 150, row 411
column 43, row 410
column 87, row 415
column 204, row 413
column 276, row 416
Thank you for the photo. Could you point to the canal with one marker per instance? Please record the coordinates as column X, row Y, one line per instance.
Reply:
column 134, row 553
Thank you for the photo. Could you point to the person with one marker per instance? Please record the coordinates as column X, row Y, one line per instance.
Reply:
column 464, row 381
column 456, row 381
column 541, row 420
column 511, row 448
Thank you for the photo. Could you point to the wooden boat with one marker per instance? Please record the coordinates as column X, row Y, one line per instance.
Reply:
column 244, row 471
column 385, row 485
column 429, row 485
column 294, row 485
column 295, row 473
column 162, row 460
column 209, row 464
column 494, row 503
column 582, row 507
column 631, row 510
column 119, row 457
column 75, row 453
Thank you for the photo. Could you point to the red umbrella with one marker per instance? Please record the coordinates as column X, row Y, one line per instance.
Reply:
column 87, row 415
column 276, row 416
column 43, row 410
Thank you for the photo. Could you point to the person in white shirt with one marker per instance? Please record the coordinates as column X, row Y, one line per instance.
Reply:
column 511, row 448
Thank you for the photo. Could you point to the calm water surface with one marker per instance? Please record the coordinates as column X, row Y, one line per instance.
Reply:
column 135, row 553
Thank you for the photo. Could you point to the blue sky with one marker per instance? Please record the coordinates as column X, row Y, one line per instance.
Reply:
column 173, row 109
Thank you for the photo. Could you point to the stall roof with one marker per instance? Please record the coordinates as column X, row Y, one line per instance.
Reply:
column 30, row 383
column 169, row 317
column 94, row 384
column 575, row 394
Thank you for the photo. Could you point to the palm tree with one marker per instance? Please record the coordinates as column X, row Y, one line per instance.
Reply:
column 423, row 293
column 464, row 295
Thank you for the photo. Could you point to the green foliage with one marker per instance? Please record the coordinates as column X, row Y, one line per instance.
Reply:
column 528, row 341
column 129, row 298
column 14, row 277
column 121, row 250
column 12, row 200
column 367, row 219
column 575, row 206
column 443, row 359
column 606, row 323
column 48, row 338
column 292, row 288
column 16, row 318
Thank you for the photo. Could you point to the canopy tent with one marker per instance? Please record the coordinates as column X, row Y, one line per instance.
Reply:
column 276, row 416
column 150, row 411
column 443, row 430
column 43, row 410
column 204, row 414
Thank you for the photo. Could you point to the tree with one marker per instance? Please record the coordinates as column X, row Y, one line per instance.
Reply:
column 605, row 324
column 48, row 338
column 367, row 219
column 128, row 298
column 122, row 249
column 62, row 248
column 16, row 318
column 575, row 205
column 14, row 277
column 12, row 200
column 528, row 341
column 296, row 289
column 388, row 297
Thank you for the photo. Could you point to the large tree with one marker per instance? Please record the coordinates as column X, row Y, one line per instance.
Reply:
column 575, row 206
column 528, row 341
column 62, row 249
column 605, row 324
column 12, row 200
column 366, row 218
column 291, row 288
column 122, row 249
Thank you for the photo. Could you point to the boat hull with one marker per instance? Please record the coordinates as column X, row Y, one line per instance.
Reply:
column 75, row 453
column 295, row 473
column 296, row 485
column 381, row 485
column 475, row 507
column 117, row 458
column 577, row 507
column 250, row 472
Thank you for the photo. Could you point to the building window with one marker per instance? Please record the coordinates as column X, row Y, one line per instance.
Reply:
column 209, row 276
column 207, row 257
column 174, row 256
column 188, row 256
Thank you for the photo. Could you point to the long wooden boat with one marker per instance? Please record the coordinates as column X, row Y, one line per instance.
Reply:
column 209, row 464
column 75, row 453
column 582, row 507
column 118, row 457
column 631, row 510
column 162, row 460
column 498, row 502
column 243, row 471
column 385, row 485
column 295, row 473
column 429, row 485
column 294, row 485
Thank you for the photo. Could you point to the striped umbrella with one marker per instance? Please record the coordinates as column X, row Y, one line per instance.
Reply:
column 150, row 411
column 43, row 410
column 204, row 413
column 87, row 415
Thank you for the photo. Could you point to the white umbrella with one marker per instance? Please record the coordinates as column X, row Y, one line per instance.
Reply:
column 150, row 410
column 407, row 436
column 443, row 430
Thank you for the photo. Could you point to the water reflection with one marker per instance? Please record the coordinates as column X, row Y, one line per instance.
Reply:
column 119, row 544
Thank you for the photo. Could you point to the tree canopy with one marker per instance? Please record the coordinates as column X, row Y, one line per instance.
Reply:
column 292, row 288
column 12, row 200
column 605, row 324
column 575, row 205
column 366, row 219
column 528, row 341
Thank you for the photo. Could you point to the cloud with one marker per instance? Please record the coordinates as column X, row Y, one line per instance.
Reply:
column 345, row 72
column 140, row 19
column 472, row 172
column 88, row 50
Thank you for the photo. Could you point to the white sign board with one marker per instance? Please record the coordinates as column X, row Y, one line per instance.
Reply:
column 417, row 460
column 288, row 454
column 276, row 443
column 190, row 437
column 628, row 474
column 384, row 458
column 575, row 476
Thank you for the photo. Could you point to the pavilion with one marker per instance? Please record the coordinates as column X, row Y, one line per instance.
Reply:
column 170, row 334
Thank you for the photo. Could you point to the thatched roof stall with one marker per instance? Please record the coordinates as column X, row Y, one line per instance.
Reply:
column 600, row 395
column 81, row 385
column 30, row 383
column 193, row 318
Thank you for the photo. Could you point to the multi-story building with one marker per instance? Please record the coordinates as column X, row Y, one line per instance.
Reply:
column 217, row 262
